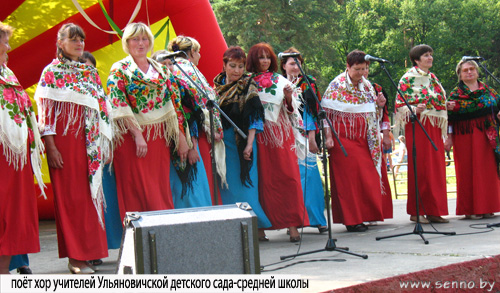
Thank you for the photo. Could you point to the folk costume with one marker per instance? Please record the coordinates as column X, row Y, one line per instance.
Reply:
column 196, row 191
column 355, row 180
column 476, row 147
column 204, row 125
column 418, row 87
column 144, row 101
column 385, row 124
column 312, row 186
column 279, row 145
column 240, row 101
column 20, row 159
column 73, row 107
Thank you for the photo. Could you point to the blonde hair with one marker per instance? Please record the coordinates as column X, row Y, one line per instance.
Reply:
column 5, row 30
column 133, row 30
column 458, row 70
column 185, row 44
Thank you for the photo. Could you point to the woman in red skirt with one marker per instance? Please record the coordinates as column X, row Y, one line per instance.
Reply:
column 280, row 188
column 148, row 125
column 473, row 125
column 355, row 111
column 424, row 93
column 73, row 118
column 20, row 150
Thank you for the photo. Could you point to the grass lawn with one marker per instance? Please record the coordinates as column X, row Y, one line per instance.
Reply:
column 402, row 184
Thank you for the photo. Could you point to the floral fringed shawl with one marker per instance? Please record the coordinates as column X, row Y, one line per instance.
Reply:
column 193, row 113
column 419, row 87
column 197, row 77
column 141, row 102
column 476, row 109
column 62, row 87
column 270, row 86
column 385, row 123
column 347, row 103
column 18, row 126
column 185, row 171
column 151, row 103
column 240, row 101
column 307, row 96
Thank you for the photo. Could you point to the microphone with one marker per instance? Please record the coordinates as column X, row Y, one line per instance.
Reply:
column 371, row 58
column 163, row 57
column 284, row 55
column 475, row 58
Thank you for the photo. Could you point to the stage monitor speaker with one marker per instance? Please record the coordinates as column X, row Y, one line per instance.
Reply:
column 208, row 240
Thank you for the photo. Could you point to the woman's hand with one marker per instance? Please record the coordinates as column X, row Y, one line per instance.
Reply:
column 313, row 146
column 450, row 105
column 247, row 152
column 329, row 139
column 386, row 140
column 141, row 146
column 182, row 149
column 217, row 136
column 193, row 156
column 420, row 108
column 287, row 92
column 448, row 143
column 498, row 115
column 54, row 157
column 381, row 100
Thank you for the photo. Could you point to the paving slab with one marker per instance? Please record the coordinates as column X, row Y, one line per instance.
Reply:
column 328, row 270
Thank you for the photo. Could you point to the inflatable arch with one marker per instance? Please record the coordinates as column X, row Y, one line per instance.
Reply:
column 37, row 23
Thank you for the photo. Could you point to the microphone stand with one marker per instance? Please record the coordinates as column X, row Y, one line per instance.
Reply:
column 489, row 73
column 211, row 104
column 330, row 244
column 418, row 230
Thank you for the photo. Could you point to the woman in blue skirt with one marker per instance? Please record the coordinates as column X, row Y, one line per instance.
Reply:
column 312, row 185
column 238, row 98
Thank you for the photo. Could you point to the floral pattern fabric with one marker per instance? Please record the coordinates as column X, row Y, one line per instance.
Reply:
column 199, row 80
column 142, row 102
column 18, row 126
column 347, row 102
column 240, row 101
column 385, row 123
column 476, row 109
column 201, row 100
column 420, row 87
column 307, row 96
column 270, row 86
column 63, row 85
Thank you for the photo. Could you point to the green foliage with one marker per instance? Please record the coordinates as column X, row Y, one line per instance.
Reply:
column 325, row 31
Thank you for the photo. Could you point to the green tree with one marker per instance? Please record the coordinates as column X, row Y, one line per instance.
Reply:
column 326, row 30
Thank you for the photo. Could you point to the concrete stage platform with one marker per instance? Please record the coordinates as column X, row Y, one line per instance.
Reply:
column 331, row 270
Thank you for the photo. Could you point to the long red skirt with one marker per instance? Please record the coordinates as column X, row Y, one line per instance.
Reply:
column 79, row 233
column 355, row 183
column 205, row 148
column 478, row 186
column 143, row 184
column 431, row 171
column 18, row 212
column 280, row 189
